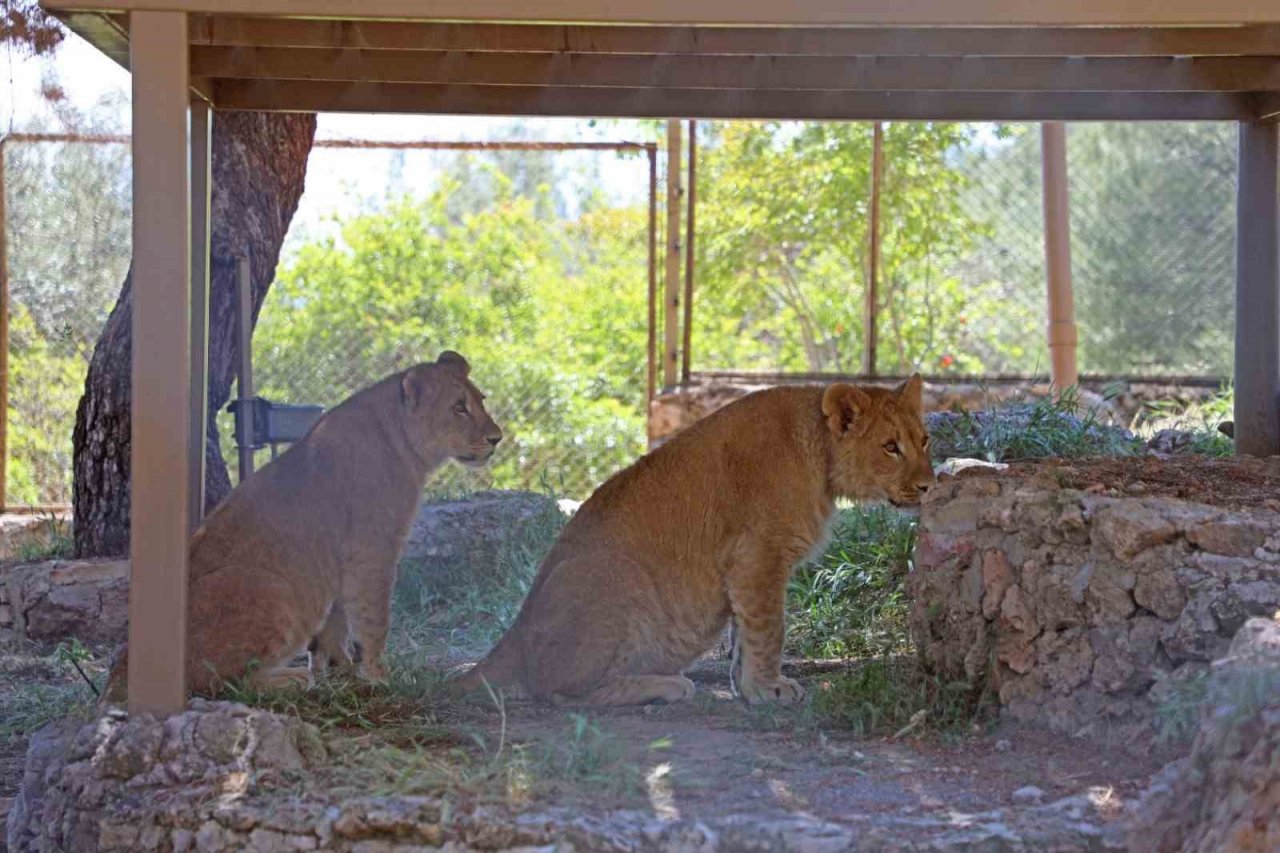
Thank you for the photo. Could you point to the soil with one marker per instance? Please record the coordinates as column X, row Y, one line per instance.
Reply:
column 1244, row 483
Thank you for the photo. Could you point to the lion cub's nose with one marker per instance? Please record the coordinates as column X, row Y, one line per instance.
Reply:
column 493, row 440
column 923, row 487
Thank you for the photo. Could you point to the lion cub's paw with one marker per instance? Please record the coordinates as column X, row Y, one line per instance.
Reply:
column 373, row 671
column 784, row 690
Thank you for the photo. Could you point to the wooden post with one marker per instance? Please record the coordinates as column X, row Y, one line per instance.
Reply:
column 871, row 307
column 1257, row 368
column 1057, row 253
column 685, row 351
column 4, row 336
column 651, row 361
column 672, row 303
column 244, row 382
column 160, row 479
column 201, row 175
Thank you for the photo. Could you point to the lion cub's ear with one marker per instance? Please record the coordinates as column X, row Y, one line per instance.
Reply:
column 452, row 359
column 842, row 405
column 911, row 392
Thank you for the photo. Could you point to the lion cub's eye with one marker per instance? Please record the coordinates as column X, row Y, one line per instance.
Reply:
column 925, row 443
column 891, row 448
column 460, row 407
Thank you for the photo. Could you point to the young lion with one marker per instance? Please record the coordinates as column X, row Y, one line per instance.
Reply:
column 704, row 529
column 307, row 546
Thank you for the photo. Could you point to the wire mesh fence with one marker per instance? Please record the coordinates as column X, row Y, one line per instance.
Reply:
column 533, row 264
column 783, row 261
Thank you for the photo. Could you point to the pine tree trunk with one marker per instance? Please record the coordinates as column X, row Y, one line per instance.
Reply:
column 259, row 167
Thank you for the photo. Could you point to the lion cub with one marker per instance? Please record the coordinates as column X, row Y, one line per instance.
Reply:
column 706, row 528
column 306, row 547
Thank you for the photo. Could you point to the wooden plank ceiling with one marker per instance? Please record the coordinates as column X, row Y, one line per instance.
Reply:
column 881, row 72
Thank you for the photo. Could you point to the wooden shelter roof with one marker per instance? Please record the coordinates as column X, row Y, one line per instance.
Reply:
column 818, row 59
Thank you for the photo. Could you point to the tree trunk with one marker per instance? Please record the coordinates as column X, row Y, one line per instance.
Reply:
column 259, row 167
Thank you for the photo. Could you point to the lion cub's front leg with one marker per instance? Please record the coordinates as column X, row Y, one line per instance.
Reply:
column 757, row 590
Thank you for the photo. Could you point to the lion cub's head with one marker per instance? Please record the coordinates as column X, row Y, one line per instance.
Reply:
column 881, row 447
column 447, row 412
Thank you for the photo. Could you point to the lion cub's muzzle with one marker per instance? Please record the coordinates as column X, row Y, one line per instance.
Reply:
column 481, row 455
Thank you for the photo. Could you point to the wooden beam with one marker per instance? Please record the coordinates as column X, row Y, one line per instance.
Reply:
column 1257, row 357
column 861, row 73
column 160, row 480
column 871, row 303
column 739, row 12
column 1268, row 106
column 239, row 31
column 705, row 103
column 1061, row 326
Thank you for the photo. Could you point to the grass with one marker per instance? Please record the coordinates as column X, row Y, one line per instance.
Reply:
column 53, row 542
column 37, row 689
column 895, row 696
column 1047, row 428
column 850, row 601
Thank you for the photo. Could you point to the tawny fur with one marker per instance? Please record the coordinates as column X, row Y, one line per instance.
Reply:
column 307, row 547
column 706, row 528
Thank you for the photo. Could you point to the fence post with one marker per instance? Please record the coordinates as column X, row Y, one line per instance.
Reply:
column 244, row 383
column 1057, row 253
column 873, row 252
column 4, row 335
column 201, row 167
column 651, row 355
column 685, row 356
column 672, row 304
column 1257, row 356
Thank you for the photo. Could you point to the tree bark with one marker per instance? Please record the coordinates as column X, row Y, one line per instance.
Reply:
column 259, row 168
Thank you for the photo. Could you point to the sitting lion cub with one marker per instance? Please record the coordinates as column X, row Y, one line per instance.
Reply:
column 704, row 529
column 306, row 548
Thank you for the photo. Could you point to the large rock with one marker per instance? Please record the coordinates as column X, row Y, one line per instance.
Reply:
column 1225, row 795
column 19, row 531
column 1079, row 610
column 477, row 526
column 47, row 602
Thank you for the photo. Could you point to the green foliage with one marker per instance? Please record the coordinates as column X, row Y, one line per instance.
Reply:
column 44, row 389
column 549, row 313
column 850, row 601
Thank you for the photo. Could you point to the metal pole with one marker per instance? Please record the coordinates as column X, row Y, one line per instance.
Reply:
column 1257, row 367
column 652, row 354
column 4, row 336
column 672, row 304
column 873, row 252
column 1057, row 253
column 244, row 340
column 685, row 356
column 159, row 534
column 201, row 167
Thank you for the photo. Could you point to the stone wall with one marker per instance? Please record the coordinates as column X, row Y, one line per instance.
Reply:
column 47, row 602
column 1081, row 610
column 683, row 406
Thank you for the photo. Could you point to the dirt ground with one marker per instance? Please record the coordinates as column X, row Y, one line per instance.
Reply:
column 1231, row 483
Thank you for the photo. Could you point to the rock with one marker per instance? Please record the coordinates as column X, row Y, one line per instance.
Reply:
column 46, row 603
column 1225, row 794
column 1004, row 746
column 953, row 466
column 1028, row 794
column 22, row 531
column 1128, row 527
column 473, row 528
column 1229, row 538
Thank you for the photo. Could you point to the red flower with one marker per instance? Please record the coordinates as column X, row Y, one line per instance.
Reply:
column 946, row 361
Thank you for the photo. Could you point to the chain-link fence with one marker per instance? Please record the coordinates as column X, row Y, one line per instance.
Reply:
column 783, row 248
column 534, row 265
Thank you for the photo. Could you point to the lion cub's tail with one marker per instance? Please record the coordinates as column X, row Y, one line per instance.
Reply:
column 499, row 671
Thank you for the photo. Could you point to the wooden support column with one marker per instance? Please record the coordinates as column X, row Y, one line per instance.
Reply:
column 671, row 309
column 1057, row 255
column 1257, row 368
column 201, row 176
column 651, row 355
column 160, row 481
